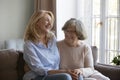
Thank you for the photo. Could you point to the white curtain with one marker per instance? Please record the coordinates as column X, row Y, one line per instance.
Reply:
column 84, row 13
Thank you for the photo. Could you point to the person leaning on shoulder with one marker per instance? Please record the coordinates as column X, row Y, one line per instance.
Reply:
column 40, row 49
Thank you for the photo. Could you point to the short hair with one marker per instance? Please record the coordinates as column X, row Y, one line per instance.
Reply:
column 31, row 32
column 79, row 27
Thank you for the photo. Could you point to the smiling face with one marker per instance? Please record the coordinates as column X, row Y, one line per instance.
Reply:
column 71, row 36
column 44, row 23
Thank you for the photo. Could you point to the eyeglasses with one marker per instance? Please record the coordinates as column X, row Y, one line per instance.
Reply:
column 70, row 31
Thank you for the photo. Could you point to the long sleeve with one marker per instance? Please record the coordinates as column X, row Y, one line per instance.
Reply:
column 88, row 62
column 76, row 58
column 39, row 58
column 32, row 59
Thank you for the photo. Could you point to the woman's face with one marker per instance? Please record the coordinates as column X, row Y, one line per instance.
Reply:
column 71, row 36
column 44, row 24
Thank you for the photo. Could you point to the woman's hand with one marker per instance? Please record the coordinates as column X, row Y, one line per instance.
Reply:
column 77, row 71
column 74, row 73
column 26, row 68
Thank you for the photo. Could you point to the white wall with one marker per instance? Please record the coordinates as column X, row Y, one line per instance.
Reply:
column 66, row 9
column 14, row 15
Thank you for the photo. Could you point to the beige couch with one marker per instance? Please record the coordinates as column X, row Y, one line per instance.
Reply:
column 12, row 65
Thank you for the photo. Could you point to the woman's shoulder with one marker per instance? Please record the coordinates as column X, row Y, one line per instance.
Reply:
column 28, row 43
column 84, row 44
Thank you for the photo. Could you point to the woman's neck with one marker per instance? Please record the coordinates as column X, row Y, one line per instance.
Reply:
column 72, row 44
column 44, row 39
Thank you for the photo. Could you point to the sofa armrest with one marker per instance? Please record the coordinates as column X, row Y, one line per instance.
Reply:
column 113, row 72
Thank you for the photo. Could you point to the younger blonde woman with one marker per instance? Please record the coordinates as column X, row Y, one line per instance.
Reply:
column 40, row 50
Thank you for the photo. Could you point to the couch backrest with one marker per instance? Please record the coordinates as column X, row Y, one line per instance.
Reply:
column 17, row 44
column 8, row 64
column 11, row 64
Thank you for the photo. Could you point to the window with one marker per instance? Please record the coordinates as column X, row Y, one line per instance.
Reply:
column 105, row 28
column 101, row 19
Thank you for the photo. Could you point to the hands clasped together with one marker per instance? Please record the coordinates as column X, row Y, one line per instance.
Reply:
column 75, row 73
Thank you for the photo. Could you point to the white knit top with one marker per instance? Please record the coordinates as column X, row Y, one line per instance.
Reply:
column 76, row 57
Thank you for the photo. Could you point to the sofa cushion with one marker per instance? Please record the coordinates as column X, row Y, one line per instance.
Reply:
column 111, row 71
column 8, row 64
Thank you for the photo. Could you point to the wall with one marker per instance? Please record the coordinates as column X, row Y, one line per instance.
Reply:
column 14, row 15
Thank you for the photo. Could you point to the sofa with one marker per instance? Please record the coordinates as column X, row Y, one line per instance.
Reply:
column 113, row 72
column 12, row 65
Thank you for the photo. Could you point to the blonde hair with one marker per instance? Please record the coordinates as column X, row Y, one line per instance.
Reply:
column 79, row 28
column 31, row 32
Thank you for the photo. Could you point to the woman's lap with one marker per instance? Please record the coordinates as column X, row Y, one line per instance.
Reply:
column 60, row 76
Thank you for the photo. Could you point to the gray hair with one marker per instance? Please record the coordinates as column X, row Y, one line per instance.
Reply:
column 79, row 27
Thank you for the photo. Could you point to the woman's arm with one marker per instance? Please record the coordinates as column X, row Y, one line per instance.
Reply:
column 88, row 62
column 32, row 59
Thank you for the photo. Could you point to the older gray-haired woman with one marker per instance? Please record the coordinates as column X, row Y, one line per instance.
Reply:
column 76, row 55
